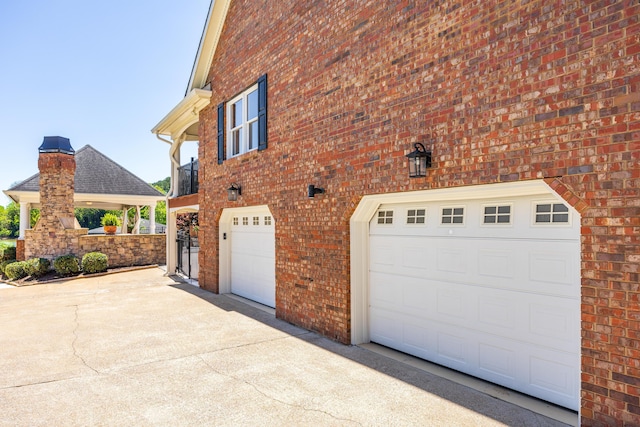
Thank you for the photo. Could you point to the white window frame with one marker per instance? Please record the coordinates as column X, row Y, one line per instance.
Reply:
column 243, row 126
column 552, row 223
column 496, row 205
column 452, row 224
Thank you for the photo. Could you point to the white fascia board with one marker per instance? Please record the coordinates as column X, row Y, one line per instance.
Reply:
column 208, row 43
column 23, row 196
column 121, row 199
column 183, row 115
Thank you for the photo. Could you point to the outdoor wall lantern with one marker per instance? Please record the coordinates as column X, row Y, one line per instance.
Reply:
column 313, row 190
column 233, row 192
column 419, row 161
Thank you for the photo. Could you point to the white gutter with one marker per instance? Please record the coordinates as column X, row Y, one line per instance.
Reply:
column 172, row 152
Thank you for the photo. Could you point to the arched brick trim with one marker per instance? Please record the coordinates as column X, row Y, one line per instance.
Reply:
column 570, row 197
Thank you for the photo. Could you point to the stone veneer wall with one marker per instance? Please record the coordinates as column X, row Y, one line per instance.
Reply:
column 126, row 249
column 52, row 244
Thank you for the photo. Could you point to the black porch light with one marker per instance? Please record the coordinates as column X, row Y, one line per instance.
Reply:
column 233, row 192
column 419, row 161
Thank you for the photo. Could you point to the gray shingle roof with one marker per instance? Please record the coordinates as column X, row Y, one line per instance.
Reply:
column 97, row 174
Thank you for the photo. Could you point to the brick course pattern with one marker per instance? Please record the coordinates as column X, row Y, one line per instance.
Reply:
column 500, row 91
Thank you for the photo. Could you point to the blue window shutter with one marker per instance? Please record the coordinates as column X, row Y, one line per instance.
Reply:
column 262, row 113
column 220, row 133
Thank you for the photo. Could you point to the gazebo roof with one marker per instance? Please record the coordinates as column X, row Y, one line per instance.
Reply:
column 100, row 183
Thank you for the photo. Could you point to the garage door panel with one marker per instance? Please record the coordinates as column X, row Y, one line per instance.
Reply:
column 506, row 264
column 252, row 253
column 501, row 303
column 537, row 319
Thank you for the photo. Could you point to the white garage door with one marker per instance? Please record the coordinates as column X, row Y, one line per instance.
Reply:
column 253, row 256
column 490, row 288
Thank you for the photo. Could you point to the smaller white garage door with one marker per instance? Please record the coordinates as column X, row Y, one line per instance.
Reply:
column 488, row 287
column 253, row 255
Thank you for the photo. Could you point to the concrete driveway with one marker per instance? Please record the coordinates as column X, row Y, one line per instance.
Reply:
column 140, row 349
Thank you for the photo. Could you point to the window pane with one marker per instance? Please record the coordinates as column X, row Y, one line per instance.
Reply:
column 543, row 208
column 236, row 143
column 458, row 211
column 560, row 217
column 489, row 210
column 504, row 209
column 236, row 114
column 252, row 105
column 489, row 219
column 253, row 135
column 457, row 220
column 543, row 218
column 503, row 219
column 446, row 211
column 560, row 208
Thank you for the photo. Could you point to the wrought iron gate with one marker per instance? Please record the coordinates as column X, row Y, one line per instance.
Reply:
column 187, row 249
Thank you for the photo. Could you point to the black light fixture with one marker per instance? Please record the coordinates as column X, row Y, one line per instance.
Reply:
column 419, row 161
column 233, row 192
column 313, row 190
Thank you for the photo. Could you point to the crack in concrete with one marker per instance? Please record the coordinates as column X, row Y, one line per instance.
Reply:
column 75, row 338
column 293, row 405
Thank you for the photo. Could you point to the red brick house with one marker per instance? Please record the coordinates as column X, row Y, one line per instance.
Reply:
column 515, row 259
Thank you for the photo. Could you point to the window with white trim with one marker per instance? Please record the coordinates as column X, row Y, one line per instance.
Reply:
column 385, row 217
column 267, row 220
column 256, row 220
column 551, row 213
column 242, row 122
column 452, row 215
column 497, row 214
column 245, row 220
column 416, row 216
column 235, row 220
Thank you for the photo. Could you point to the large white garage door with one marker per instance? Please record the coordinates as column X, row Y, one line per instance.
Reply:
column 490, row 288
column 253, row 256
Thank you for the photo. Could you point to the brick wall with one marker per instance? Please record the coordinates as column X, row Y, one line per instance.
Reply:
column 500, row 91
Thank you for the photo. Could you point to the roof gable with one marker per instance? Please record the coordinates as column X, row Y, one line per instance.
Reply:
column 97, row 174
column 208, row 44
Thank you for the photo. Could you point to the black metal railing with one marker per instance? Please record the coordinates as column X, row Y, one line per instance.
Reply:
column 188, row 178
column 187, row 249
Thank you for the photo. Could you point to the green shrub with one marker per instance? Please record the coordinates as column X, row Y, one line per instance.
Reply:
column 16, row 270
column 37, row 267
column 94, row 262
column 4, row 263
column 66, row 265
column 110, row 219
column 7, row 253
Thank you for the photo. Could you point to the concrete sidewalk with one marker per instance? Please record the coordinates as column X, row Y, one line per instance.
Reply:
column 139, row 349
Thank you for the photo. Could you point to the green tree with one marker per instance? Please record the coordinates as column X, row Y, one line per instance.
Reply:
column 89, row 217
column 163, row 185
column 12, row 222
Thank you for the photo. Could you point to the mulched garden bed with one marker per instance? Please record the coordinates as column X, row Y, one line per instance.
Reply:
column 52, row 276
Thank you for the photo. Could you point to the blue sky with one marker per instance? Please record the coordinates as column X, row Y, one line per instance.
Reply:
column 98, row 73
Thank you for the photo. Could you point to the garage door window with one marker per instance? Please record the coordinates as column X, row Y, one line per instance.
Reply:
column 500, row 214
column 552, row 213
column 453, row 215
column 385, row 217
column 416, row 216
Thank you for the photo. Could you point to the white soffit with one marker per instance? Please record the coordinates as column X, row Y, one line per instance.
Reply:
column 183, row 115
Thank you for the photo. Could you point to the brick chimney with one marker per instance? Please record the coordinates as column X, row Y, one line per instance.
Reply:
column 57, row 165
column 57, row 231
